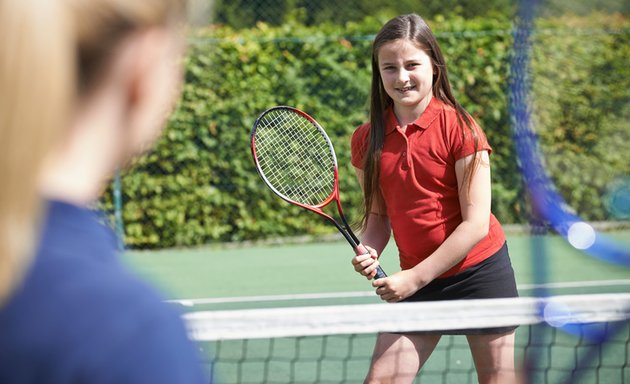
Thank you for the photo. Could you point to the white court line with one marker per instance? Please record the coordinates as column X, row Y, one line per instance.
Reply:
column 342, row 295
column 576, row 284
column 249, row 299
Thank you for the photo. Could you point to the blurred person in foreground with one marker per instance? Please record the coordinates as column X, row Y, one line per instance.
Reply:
column 84, row 86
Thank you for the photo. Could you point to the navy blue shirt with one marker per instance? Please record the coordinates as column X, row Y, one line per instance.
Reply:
column 80, row 317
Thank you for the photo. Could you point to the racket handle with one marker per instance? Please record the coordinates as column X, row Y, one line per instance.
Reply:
column 361, row 250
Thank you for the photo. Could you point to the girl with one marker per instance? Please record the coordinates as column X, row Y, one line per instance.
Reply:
column 423, row 163
column 86, row 84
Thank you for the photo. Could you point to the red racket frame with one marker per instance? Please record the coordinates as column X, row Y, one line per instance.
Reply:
column 345, row 229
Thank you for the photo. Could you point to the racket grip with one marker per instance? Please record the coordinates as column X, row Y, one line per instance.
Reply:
column 361, row 250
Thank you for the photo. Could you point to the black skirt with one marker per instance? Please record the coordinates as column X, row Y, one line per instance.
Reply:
column 492, row 278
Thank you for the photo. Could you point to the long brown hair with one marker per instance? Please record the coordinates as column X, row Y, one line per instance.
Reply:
column 51, row 54
column 412, row 28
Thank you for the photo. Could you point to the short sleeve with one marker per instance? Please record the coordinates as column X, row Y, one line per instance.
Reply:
column 358, row 145
column 463, row 140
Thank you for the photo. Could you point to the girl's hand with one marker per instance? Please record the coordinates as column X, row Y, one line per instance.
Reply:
column 366, row 264
column 398, row 286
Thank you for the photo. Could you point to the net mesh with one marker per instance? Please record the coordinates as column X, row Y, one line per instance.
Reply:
column 295, row 157
column 575, row 339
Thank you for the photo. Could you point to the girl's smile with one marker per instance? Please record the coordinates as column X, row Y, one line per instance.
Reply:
column 405, row 89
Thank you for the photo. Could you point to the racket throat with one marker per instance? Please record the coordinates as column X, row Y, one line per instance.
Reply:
column 347, row 233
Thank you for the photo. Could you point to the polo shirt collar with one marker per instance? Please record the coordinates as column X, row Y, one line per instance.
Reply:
column 426, row 118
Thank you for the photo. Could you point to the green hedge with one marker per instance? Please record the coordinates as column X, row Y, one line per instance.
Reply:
column 199, row 185
column 581, row 105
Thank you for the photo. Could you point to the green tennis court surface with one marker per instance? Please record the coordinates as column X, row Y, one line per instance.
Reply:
column 314, row 274
column 325, row 267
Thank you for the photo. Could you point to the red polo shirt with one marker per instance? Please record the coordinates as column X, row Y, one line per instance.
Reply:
column 419, row 184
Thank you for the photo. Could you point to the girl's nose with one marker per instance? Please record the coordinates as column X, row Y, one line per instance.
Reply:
column 403, row 76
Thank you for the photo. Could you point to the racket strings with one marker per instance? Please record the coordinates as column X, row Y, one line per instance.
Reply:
column 294, row 157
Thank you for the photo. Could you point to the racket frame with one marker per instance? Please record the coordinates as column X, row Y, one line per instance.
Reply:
column 345, row 229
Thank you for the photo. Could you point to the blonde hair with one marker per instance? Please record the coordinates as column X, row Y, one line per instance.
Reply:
column 51, row 53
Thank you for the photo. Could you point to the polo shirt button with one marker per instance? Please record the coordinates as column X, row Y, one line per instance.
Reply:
column 404, row 153
column 405, row 167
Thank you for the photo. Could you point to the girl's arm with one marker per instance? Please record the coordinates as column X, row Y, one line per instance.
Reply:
column 375, row 237
column 475, row 209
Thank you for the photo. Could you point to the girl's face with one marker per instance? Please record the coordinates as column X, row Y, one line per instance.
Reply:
column 407, row 74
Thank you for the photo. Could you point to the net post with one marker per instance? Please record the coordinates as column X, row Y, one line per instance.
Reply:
column 118, row 203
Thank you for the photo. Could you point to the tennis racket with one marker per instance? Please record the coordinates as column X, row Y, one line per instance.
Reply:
column 296, row 159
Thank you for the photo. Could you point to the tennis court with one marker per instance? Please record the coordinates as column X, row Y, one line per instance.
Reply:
column 260, row 306
column 324, row 266
column 319, row 274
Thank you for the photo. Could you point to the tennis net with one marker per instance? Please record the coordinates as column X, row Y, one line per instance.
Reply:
column 559, row 339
